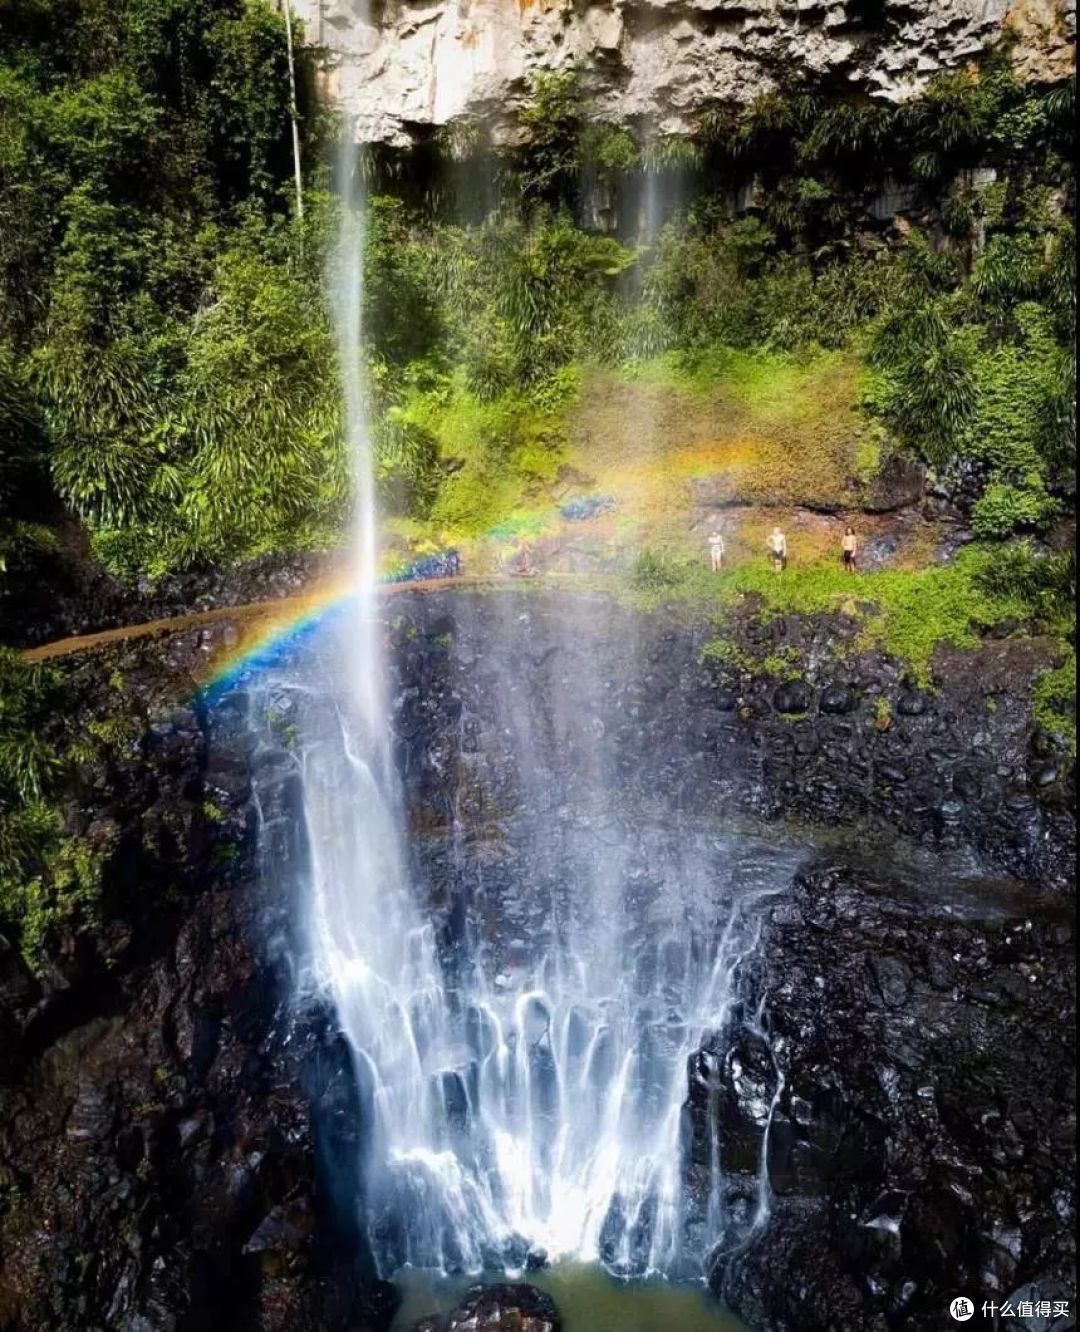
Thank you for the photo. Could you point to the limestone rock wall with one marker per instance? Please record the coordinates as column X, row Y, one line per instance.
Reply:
column 397, row 65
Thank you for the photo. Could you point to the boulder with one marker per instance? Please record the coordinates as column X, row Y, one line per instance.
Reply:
column 792, row 697
column 907, row 1162
column 506, row 1307
column 837, row 699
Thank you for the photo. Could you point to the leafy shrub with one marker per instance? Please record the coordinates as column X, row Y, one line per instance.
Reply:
column 926, row 392
column 1002, row 510
column 1054, row 697
column 655, row 572
column 1043, row 581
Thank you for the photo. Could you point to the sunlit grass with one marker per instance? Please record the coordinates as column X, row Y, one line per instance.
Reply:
column 908, row 613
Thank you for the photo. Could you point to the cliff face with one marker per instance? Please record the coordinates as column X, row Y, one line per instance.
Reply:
column 404, row 64
column 174, row 1131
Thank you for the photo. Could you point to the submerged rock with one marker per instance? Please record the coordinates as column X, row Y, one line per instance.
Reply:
column 505, row 1308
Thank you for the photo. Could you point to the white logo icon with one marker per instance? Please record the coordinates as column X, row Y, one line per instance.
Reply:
column 962, row 1309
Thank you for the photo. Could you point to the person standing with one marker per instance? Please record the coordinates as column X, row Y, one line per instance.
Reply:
column 716, row 550
column 848, row 546
column 778, row 549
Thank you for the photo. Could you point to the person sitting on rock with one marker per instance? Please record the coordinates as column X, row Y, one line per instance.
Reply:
column 778, row 549
column 716, row 550
column 848, row 547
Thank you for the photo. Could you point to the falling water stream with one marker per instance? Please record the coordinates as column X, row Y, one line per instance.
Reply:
column 529, row 1093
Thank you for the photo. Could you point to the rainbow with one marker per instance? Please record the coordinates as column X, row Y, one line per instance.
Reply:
column 271, row 631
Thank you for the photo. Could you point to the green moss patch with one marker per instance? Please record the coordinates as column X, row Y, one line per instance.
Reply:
column 908, row 613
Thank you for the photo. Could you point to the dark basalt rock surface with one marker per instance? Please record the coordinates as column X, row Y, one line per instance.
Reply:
column 159, row 1105
column 176, row 1145
column 963, row 766
column 921, row 1144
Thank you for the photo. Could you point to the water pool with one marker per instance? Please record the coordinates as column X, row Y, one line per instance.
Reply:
column 587, row 1297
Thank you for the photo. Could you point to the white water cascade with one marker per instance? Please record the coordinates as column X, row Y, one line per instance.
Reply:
column 532, row 1097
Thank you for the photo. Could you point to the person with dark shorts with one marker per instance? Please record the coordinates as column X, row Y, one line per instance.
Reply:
column 847, row 548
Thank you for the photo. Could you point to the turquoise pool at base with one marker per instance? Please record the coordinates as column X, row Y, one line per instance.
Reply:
column 588, row 1299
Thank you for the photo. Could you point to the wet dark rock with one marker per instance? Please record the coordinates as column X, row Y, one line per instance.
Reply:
column 967, row 782
column 505, row 1308
column 893, row 978
column 160, row 1110
column 1043, row 745
column 92, row 1115
column 17, row 984
column 151, row 1100
column 792, row 697
column 837, row 699
column 897, row 1180
column 899, row 483
column 536, row 1260
column 284, row 1229
column 878, row 552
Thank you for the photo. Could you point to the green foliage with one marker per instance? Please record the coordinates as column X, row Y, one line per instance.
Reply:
column 65, row 895
column 552, row 119
column 29, row 763
column 998, row 390
column 51, row 869
column 611, row 149
column 217, row 437
column 156, row 312
column 1043, row 582
column 657, row 572
column 672, row 152
column 907, row 614
column 1003, row 509
column 926, row 392
column 27, row 757
column 165, row 342
column 1054, row 697
column 20, row 462
column 486, row 452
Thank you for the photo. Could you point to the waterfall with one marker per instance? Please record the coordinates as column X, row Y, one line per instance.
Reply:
column 527, row 1089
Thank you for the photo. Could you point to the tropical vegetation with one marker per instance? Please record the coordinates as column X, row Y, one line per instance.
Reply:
column 168, row 377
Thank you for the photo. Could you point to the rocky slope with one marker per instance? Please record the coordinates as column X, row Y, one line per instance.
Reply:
column 401, row 66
